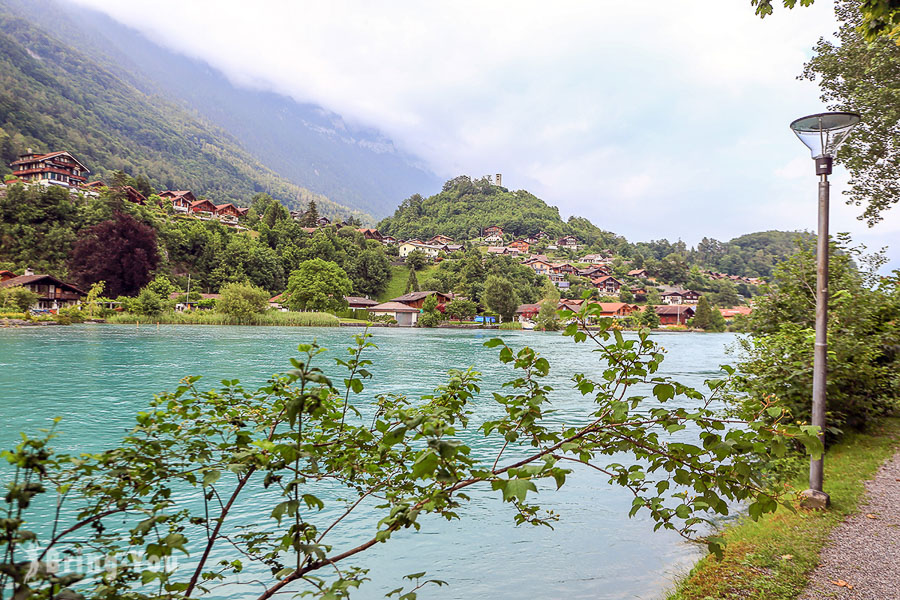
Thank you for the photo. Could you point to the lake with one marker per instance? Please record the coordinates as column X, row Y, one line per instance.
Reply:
column 98, row 376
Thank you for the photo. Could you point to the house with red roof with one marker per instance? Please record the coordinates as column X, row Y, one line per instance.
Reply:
column 203, row 209
column 674, row 314
column 181, row 199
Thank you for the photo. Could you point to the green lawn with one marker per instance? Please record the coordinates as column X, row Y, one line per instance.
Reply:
column 399, row 276
column 770, row 559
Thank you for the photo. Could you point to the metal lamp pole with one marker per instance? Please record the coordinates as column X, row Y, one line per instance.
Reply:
column 822, row 134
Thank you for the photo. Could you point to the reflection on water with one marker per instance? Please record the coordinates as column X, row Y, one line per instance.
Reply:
column 97, row 377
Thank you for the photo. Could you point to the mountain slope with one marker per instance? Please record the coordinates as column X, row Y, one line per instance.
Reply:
column 53, row 96
column 304, row 143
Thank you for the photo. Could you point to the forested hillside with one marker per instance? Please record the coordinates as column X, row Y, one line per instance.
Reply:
column 54, row 97
column 465, row 207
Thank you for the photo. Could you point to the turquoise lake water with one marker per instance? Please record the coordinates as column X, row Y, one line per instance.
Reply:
column 98, row 376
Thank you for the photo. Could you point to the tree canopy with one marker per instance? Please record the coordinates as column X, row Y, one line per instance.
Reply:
column 318, row 285
column 863, row 76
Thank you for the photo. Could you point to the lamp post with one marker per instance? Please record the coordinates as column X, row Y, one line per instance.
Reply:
column 822, row 133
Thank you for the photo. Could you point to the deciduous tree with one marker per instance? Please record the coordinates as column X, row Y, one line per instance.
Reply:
column 500, row 296
column 122, row 252
column 318, row 285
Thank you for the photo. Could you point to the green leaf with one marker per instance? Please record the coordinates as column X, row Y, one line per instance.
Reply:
column 664, row 391
column 425, row 465
column 210, row 477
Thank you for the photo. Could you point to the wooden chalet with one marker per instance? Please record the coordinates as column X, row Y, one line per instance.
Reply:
column 132, row 195
column 181, row 199
column 228, row 213
column 203, row 208
column 54, row 168
column 565, row 268
column 639, row 273
column 570, row 242
column 607, row 284
column 53, row 293
column 674, row 314
column 441, row 239
column 388, row 239
column 594, row 271
column 371, row 234
column 417, row 299
column 493, row 234
column 323, row 221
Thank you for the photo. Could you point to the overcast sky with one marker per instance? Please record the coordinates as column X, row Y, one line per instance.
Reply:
column 663, row 118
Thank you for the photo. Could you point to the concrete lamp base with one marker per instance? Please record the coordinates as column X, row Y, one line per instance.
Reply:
column 815, row 499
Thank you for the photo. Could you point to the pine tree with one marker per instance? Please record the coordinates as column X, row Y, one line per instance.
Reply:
column 311, row 216
column 703, row 318
column 412, row 284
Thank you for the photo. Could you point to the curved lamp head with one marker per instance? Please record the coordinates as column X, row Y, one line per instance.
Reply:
column 823, row 133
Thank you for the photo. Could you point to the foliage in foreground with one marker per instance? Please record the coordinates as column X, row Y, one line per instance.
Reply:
column 290, row 448
column 863, row 338
column 771, row 558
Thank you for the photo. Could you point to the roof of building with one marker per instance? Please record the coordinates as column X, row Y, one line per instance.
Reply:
column 636, row 271
column 673, row 309
column 360, row 300
column 528, row 308
column 41, row 157
column 613, row 307
column 414, row 296
column 393, row 307
column 27, row 279
column 737, row 310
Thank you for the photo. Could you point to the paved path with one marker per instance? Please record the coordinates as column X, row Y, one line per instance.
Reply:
column 864, row 551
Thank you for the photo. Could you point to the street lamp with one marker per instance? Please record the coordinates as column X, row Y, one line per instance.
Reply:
column 823, row 134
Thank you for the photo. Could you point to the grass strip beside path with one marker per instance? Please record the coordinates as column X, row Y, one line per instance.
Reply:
column 771, row 559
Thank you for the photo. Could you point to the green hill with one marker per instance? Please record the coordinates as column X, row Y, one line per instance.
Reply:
column 464, row 207
column 54, row 97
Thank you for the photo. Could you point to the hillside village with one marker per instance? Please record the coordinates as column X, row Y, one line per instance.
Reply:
column 575, row 269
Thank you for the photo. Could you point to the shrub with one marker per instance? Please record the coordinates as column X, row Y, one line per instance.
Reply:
column 863, row 338
column 242, row 300
column 147, row 303
column 511, row 325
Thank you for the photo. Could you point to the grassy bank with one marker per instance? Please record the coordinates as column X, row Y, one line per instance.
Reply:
column 209, row 317
column 770, row 559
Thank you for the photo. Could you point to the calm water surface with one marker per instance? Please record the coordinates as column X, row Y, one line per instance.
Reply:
column 98, row 376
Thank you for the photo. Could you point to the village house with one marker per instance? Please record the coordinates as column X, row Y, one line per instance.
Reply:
column 560, row 280
column 638, row 273
column 357, row 302
column 53, row 168
column 450, row 248
column 503, row 250
column 440, row 240
column 541, row 267
column 674, row 315
column 680, row 297
column 731, row 313
column 429, row 250
column 203, row 209
column 388, row 239
column 527, row 312
column 228, row 213
column 53, row 294
column 520, row 245
column 493, row 234
column 181, row 199
column 371, row 234
column 616, row 310
column 565, row 267
column 132, row 195
column 594, row 271
column 607, row 284
column 594, row 259
column 417, row 299
column 406, row 316
column 567, row 242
